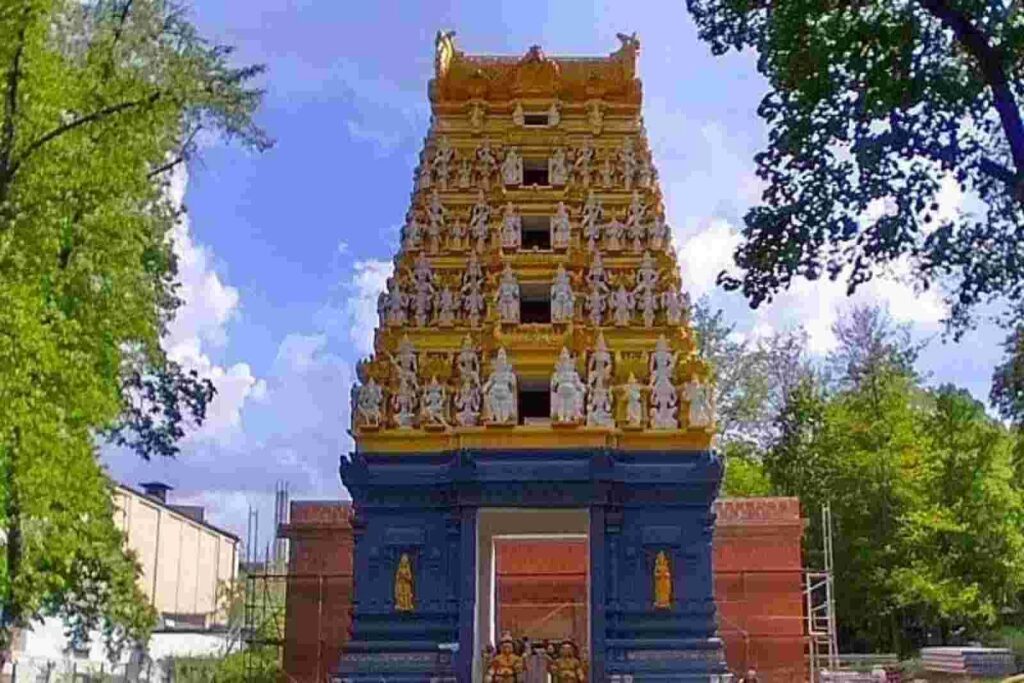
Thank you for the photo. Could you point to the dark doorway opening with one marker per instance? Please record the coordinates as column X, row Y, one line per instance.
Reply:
column 534, row 402
column 535, row 172
column 536, row 233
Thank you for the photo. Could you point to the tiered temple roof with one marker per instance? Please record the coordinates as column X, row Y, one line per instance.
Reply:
column 536, row 232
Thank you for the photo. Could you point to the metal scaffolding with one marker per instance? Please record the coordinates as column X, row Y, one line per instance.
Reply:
column 819, row 593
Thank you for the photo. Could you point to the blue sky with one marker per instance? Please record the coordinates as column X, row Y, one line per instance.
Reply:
column 283, row 252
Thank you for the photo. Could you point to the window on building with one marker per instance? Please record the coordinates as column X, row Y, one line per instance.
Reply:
column 534, row 303
column 536, row 233
column 535, row 119
column 534, row 402
column 535, row 172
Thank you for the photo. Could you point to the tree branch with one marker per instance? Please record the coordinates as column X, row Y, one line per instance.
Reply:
column 78, row 123
column 182, row 156
column 10, row 113
column 990, row 60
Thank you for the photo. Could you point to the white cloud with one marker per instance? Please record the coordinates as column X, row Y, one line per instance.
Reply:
column 383, row 142
column 369, row 278
column 704, row 255
column 209, row 305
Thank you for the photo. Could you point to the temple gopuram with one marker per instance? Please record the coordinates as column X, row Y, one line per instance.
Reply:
column 534, row 391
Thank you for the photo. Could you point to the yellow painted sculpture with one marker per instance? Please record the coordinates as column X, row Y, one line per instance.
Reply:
column 506, row 666
column 567, row 668
column 403, row 585
column 662, row 581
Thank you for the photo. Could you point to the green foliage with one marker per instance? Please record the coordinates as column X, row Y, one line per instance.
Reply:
column 869, row 105
column 928, row 513
column 98, row 101
column 1007, row 393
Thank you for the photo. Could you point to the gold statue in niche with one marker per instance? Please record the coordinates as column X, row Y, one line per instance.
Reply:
column 662, row 581
column 403, row 585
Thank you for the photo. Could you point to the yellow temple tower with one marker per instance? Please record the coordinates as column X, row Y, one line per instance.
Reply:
column 533, row 353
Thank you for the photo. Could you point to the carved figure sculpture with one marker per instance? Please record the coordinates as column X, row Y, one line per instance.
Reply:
column 636, row 230
column 435, row 221
column 627, row 158
column 479, row 215
column 404, row 598
column 567, row 668
column 413, row 232
column 647, row 303
column 472, row 291
column 593, row 212
column 560, row 228
column 558, row 168
column 500, row 392
column 674, row 304
column 597, row 294
column 599, row 396
column 465, row 174
column 581, row 163
column 368, row 404
column 507, row 296
column 423, row 290
column 511, row 228
column 657, row 233
column 595, row 116
column 599, row 367
column 441, row 162
column 662, row 581
column 404, row 399
column 397, row 301
column 447, row 307
column 567, row 391
column 644, row 173
column 563, row 301
column 476, row 117
column 622, row 306
column 467, row 398
column 423, row 177
column 554, row 116
column 506, row 666
column 646, row 274
column 607, row 174
column 435, row 404
column 702, row 411
column 634, row 402
column 512, row 167
column 614, row 231
column 457, row 236
column 664, row 398
column 486, row 164
column 518, row 116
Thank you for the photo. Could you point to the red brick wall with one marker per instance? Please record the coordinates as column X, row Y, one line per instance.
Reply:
column 758, row 585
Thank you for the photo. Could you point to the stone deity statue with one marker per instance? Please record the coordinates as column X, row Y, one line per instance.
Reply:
column 441, row 162
column 634, row 403
column 413, row 232
column 674, row 304
column 554, row 115
column 467, row 398
column 500, row 392
column 622, row 306
column 486, row 165
column 507, row 296
column 657, row 233
column 479, row 215
column 558, row 168
column 397, row 302
column 560, row 228
column 457, row 236
column 435, row 222
column 636, row 230
column 599, row 405
column 434, row 410
column 563, row 301
column 368, row 407
column 699, row 397
column 607, row 174
column 599, row 367
column 512, row 167
column 581, row 163
column 647, row 274
column 511, row 228
column 614, row 230
column 473, row 300
column 662, row 581
column 567, row 391
column 664, row 398
column 446, row 306
column 590, row 221
column 627, row 158
column 506, row 666
column 595, row 116
column 465, row 174
column 647, row 304
column 423, row 290
column 476, row 117
column 404, row 599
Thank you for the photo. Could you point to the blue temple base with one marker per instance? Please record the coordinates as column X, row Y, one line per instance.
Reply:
column 639, row 504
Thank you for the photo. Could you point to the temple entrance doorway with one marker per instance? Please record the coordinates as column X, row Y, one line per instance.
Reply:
column 533, row 577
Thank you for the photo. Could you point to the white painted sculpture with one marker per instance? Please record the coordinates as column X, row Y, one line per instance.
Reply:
column 507, row 296
column 413, row 232
column 558, row 168
column 512, row 167
column 435, row 222
column 622, row 306
column 473, row 301
column 664, row 398
column 567, row 391
column 646, row 274
column 423, row 290
column 607, row 174
column 597, row 292
column 647, row 303
column 511, row 228
column 441, row 163
column 701, row 401
column 636, row 230
column 435, row 405
column 486, row 165
column 590, row 222
column 423, row 177
column 447, row 307
column 554, row 116
column 368, row 408
column 634, row 403
column 657, row 233
column 627, row 158
column 397, row 301
column 457, row 236
column 467, row 399
column 465, row 174
column 403, row 401
column 560, row 228
column 674, row 304
column 563, row 301
column 644, row 174
column 581, row 163
column 479, row 216
column 500, row 392
column 613, row 230
column 599, row 396
column 599, row 366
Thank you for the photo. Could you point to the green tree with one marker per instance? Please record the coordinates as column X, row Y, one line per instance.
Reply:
column 869, row 105
column 99, row 100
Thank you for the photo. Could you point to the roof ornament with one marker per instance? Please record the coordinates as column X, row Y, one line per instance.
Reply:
column 444, row 51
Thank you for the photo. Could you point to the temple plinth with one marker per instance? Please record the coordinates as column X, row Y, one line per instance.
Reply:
column 533, row 374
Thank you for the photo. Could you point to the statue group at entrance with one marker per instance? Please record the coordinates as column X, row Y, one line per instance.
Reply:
column 526, row 662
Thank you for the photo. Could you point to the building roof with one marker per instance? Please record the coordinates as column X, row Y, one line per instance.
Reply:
column 175, row 509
